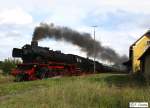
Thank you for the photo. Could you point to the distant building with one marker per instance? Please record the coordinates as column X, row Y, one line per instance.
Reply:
column 137, row 49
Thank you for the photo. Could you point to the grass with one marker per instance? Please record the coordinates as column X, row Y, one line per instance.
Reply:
column 94, row 91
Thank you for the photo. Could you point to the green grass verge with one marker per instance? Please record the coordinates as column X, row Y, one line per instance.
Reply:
column 94, row 91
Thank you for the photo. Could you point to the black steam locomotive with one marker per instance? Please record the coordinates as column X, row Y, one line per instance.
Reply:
column 40, row 62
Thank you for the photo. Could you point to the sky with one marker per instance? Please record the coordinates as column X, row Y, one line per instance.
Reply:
column 120, row 22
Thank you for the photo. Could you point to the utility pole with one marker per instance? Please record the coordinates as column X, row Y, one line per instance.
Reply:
column 94, row 47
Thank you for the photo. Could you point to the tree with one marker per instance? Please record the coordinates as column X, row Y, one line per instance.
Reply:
column 8, row 64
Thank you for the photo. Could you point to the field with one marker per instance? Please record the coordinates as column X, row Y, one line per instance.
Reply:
column 92, row 91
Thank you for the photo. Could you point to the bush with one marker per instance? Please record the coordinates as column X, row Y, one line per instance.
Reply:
column 8, row 64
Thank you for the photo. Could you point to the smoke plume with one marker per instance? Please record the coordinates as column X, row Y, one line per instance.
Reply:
column 83, row 40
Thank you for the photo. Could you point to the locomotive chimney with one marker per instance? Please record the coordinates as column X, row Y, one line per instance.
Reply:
column 34, row 43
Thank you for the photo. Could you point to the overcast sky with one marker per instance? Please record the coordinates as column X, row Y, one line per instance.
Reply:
column 121, row 22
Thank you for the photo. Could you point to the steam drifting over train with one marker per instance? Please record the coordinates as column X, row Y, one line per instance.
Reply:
column 83, row 40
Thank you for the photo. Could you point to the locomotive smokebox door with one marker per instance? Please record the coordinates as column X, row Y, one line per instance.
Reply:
column 17, row 52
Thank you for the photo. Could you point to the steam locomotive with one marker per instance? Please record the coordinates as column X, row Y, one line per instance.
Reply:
column 41, row 62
